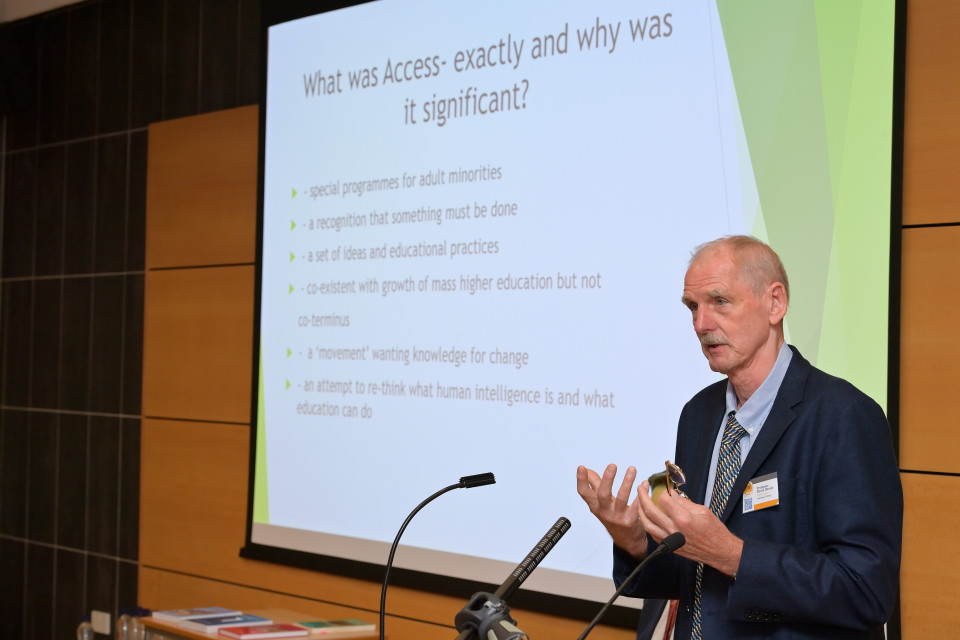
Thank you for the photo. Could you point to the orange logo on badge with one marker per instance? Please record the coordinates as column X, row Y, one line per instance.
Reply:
column 749, row 489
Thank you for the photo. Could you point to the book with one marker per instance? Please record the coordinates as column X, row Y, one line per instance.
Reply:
column 215, row 623
column 179, row 615
column 280, row 630
column 347, row 627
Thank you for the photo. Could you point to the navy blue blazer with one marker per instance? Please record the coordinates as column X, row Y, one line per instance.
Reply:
column 824, row 562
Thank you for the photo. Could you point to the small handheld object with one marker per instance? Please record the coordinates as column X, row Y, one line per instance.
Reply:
column 675, row 477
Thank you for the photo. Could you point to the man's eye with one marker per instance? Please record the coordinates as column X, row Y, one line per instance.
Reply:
column 721, row 301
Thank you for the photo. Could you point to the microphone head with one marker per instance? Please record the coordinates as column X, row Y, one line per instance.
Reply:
column 478, row 480
column 674, row 541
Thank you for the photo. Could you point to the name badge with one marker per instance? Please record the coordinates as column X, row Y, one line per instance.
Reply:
column 761, row 493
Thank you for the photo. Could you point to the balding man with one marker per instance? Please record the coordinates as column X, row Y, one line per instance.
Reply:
column 795, row 510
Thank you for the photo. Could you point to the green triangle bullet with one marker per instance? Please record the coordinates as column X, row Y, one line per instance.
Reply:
column 293, row 225
column 291, row 290
column 288, row 384
column 291, row 256
column 294, row 194
column 289, row 353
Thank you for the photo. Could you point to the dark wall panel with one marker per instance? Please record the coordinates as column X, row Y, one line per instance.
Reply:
column 146, row 60
column 113, row 67
column 42, row 477
column 48, row 241
column 12, row 556
column 111, row 210
column 14, row 451
column 16, row 336
column 181, row 57
column 45, row 384
column 51, row 56
column 79, row 207
column 78, row 88
column 19, row 191
column 81, row 70
column 38, row 608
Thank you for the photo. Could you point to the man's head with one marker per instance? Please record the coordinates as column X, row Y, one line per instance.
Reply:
column 737, row 291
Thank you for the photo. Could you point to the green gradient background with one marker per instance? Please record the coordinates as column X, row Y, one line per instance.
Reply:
column 814, row 90
column 261, row 505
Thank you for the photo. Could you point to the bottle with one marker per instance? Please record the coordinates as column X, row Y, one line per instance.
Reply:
column 85, row 629
column 125, row 626
column 137, row 629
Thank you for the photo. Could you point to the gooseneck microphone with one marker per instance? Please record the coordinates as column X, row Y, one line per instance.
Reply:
column 488, row 613
column 668, row 545
column 533, row 559
column 466, row 482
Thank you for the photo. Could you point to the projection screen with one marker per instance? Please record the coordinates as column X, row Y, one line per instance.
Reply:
column 474, row 226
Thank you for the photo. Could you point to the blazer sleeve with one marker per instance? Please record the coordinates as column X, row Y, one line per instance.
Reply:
column 661, row 578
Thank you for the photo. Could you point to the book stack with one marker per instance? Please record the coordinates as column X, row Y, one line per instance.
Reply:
column 278, row 630
column 230, row 623
column 176, row 616
column 347, row 628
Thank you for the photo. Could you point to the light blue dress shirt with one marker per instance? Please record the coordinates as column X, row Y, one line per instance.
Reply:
column 752, row 414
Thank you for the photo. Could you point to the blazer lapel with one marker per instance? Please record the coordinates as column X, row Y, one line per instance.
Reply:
column 703, row 446
column 780, row 418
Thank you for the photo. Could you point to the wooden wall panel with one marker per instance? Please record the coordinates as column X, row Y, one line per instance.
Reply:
column 202, row 190
column 931, row 190
column 193, row 491
column 930, row 350
column 929, row 587
column 193, row 480
column 198, row 341
column 930, row 347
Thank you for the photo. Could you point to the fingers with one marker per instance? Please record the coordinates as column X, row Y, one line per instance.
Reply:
column 587, row 483
column 606, row 482
column 615, row 512
column 597, row 492
column 593, row 478
column 626, row 487
column 680, row 510
column 667, row 504
column 655, row 522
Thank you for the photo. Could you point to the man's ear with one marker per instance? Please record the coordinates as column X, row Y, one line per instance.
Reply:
column 778, row 302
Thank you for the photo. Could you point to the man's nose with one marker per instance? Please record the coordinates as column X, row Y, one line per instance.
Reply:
column 703, row 321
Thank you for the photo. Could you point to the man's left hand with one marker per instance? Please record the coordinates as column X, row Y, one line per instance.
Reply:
column 707, row 539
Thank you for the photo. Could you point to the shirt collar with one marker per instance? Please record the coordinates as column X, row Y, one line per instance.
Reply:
column 757, row 407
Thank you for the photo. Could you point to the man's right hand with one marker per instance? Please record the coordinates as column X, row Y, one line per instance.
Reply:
column 617, row 514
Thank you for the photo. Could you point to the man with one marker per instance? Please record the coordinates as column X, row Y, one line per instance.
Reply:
column 822, row 559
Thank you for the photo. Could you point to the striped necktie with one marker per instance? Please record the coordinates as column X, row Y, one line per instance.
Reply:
column 728, row 466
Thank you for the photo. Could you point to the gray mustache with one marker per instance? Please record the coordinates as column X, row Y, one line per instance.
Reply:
column 708, row 339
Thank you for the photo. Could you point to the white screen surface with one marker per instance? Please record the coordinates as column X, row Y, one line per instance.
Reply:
column 515, row 221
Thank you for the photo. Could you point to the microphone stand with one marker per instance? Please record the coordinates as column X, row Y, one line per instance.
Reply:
column 487, row 614
column 668, row 545
column 466, row 482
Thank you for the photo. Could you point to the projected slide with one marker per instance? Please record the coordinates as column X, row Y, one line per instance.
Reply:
column 475, row 228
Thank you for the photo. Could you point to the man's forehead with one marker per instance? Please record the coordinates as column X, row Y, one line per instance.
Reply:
column 718, row 270
column 714, row 275
column 714, row 257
